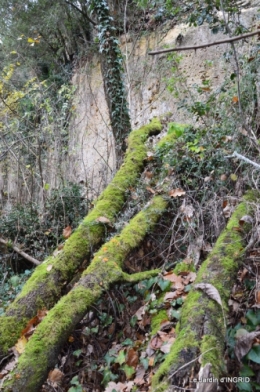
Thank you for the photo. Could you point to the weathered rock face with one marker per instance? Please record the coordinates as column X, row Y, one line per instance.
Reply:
column 91, row 150
column 91, row 157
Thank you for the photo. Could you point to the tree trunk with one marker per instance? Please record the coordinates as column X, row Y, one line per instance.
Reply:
column 106, row 268
column 112, row 70
column 47, row 283
column 201, row 330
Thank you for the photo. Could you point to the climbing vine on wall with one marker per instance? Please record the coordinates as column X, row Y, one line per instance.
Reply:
column 112, row 70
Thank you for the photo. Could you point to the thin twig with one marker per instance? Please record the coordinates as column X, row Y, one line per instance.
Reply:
column 224, row 41
column 188, row 363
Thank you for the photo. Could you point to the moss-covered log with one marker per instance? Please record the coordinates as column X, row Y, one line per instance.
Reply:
column 45, row 286
column 202, row 328
column 105, row 269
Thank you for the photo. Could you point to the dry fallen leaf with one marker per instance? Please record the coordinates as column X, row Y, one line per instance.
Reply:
column 132, row 357
column 210, row 290
column 49, row 268
column 244, row 342
column 103, row 219
column 148, row 188
column 176, row 192
column 55, row 376
column 67, row 232
column 20, row 345
column 246, row 219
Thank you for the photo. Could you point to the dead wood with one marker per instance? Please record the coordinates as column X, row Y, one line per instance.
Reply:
column 45, row 286
column 20, row 252
column 207, row 45
column 105, row 269
column 200, row 344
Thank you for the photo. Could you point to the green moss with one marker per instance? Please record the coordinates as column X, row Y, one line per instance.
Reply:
column 172, row 358
column 157, row 320
column 104, row 270
column 139, row 276
column 212, row 352
column 175, row 130
column 45, row 286
column 184, row 267
column 217, row 270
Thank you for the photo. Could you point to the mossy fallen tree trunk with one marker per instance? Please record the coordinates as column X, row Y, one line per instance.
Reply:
column 105, row 269
column 45, row 286
column 198, row 351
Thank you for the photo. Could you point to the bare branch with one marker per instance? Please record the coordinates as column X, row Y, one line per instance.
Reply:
column 224, row 41
column 21, row 253
column 237, row 155
column 82, row 12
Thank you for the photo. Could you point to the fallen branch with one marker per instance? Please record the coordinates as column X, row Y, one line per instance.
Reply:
column 20, row 252
column 237, row 155
column 224, row 41
column 45, row 286
column 201, row 330
column 105, row 269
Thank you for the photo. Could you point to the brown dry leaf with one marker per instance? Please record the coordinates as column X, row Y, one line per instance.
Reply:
column 55, row 376
column 171, row 296
column 176, row 192
column 244, row 342
column 20, row 345
column 71, row 339
column 139, row 375
column 103, row 219
column 210, row 290
column 41, row 314
column 163, row 335
column 224, row 203
column 246, row 219
column 60, row 246
column 49, row 268
column 150, row 155
column 235, row 99
column 67, row 232
column 148, row 174
column 257, row 297
column 29, row 329
column 243, row 274
column 179, row 286
column 132, row 357
column 156, row 342
column 167, row 347
column 172, row 277
column 227, row 211
column 151, row 361
column 223, row 177
column 205, row 88
column 189, row 278
column 140, row 312
column 150, row 190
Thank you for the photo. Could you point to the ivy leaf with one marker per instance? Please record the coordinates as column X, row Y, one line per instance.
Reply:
column 254, row 354
column 121, row 358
